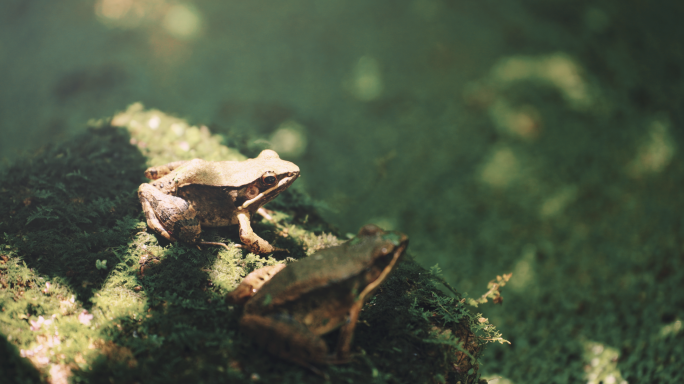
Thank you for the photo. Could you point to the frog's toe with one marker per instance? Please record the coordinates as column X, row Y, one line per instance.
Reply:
column 262, row 248
column 214, row 243
column 257, row 247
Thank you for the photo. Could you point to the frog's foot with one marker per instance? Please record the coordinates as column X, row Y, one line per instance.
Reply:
column 251, row 240
column 261, row 247
column 262, row 211
column 275, row 249
column 342, row 352
column 252, row 283
column 170, row 216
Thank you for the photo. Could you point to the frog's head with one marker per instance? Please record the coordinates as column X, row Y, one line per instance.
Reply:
column 271, row 176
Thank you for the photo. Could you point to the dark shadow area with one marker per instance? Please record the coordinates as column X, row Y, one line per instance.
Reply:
column 89, row 82
column 188, row 333
column 259, row 115
column 14, row 369
column 184, row 334
column 71, row 203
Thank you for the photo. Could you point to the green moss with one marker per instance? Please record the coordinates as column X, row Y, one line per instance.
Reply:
column 87, row 291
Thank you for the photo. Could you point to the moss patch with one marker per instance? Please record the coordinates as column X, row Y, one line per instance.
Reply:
column 87, row 294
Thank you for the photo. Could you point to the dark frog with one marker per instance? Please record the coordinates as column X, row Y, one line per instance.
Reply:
column 293, row 306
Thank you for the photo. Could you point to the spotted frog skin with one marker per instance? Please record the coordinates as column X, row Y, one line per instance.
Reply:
column 288, row 308
column 184, row 196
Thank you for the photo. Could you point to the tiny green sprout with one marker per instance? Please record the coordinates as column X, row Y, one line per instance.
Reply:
column 355, row 292
column 392, row 237
column 435, row 270
column 101, row 264
column 267, row 300
column 354, row 241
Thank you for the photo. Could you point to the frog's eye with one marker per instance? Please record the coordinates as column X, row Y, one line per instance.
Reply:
column 269, row 178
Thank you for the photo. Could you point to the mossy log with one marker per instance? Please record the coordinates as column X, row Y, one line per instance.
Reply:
column 89, row 294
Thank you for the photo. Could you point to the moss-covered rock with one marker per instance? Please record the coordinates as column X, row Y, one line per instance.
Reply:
column 88, row 294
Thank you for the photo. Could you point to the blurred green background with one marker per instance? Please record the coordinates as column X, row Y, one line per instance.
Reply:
column 538, row 137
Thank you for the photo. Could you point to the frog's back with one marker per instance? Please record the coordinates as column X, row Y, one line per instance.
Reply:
column 233, row 173
column 327, row 267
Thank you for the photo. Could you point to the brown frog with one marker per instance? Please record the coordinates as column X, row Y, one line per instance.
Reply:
column 293, row 306
column 186, row 195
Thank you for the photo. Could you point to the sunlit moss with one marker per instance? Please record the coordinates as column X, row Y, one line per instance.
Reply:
column 149, row 129
column 501, row 169
column 183, row 21
column 523, row 271
column 496, row 379
column 43, row 319
column 523, row 122
column 656, row 152
column 126, row 13
column 671, row 329
column 366, row 80
column 557, row 69
column 231, row 267
column 556, row 203
column 601, row 364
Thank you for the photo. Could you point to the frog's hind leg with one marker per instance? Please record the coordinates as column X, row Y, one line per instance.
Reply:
column 287, row 339
column 170, row 216
column 153, row 173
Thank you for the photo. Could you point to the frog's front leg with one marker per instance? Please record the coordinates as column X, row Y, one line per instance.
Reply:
column 342, row 351
column 170, row 216
column 251, row 240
